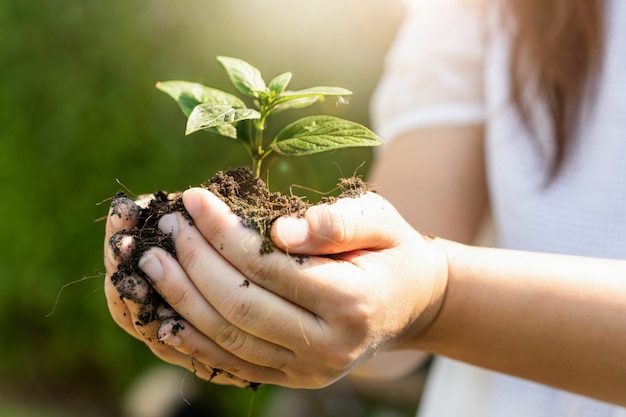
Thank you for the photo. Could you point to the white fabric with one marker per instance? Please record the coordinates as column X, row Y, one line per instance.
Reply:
column 431, row 75
column 449, row 65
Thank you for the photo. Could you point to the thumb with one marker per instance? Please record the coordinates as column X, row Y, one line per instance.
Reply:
column 349, row 224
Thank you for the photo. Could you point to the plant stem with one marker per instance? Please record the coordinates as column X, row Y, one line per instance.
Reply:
column 256, row 167
column 258, row 151
column 258, row 162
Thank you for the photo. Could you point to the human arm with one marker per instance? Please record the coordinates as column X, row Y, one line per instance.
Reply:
column 555, row 319
column 429, row 213
column 429, row 108
column 558, row 320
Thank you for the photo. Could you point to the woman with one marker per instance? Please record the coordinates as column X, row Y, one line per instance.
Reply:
column 555, row 183
column 514, row 100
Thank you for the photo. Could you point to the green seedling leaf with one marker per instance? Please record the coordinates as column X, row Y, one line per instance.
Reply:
column 208, row 115
column 295, row 103
column 230, row 131
column 304, row 98
column 227, row 115
column 279, row 83
column 319, row 92
column 188, row 95
column 246, row 78
column 316, row 134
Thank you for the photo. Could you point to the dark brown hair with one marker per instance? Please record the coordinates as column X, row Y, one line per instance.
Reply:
column 557, row 44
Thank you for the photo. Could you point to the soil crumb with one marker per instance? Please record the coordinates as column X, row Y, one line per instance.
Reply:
column 253, row 202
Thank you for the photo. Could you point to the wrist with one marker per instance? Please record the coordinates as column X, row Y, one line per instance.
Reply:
column 449, row 325
column 428, row 310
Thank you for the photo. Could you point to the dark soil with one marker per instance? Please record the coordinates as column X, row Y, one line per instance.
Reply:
column 245, row 194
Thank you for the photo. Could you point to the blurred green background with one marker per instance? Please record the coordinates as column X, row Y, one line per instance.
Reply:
column 79, row 111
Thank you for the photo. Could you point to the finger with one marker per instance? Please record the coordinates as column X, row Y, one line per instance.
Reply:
column 195, row 365
column 238, row 315
column 118, row 246
column 144, row 317
column 123, row 214
column 192, row 343
column 120, row 313
column 159, row 330
column 121, row 283
column 180, row 292
column 346, row 225
column 132, row 304
column 303, row 281
column 119, row 250
column 330, row 299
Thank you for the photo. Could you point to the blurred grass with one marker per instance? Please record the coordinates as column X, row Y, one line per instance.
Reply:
column 78, row 111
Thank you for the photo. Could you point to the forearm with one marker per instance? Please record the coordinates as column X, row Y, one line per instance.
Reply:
column 558, row 320
column 391, row 364
column 435, row 177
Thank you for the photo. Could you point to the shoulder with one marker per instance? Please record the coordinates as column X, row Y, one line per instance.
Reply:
column 433, row 72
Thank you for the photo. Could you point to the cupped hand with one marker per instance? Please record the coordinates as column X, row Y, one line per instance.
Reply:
column 130, row 295
column 352, row 279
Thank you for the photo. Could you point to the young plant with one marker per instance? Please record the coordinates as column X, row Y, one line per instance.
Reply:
column 227, row 115
column 245, row 193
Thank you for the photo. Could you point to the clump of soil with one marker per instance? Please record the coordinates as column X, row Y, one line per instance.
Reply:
column 245, row 194
column 253, row 202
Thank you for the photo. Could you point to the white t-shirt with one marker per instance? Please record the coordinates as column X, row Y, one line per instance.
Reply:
column 449, row 65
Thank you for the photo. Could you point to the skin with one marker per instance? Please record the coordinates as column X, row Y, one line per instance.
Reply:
column 237, row 311
column 306, row 322
column 125, row 311
column 444, row 169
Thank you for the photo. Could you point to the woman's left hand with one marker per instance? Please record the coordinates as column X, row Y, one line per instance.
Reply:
column 354, row 279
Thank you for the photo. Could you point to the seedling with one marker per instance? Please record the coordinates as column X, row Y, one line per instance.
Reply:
column 227, row 115
column 246, row 194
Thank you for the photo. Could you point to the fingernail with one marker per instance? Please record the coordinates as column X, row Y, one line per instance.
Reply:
column 167, row 332
column 135, row 289
column 169, row 224
column 122, row 245
column 151, row 265
column 116, row 219
column 170, row 339
column 122, row 210
column 192, row 202
column 292, row 232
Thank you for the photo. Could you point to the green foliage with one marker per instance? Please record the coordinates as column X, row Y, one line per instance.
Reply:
column 78, row 112
column 222, row 113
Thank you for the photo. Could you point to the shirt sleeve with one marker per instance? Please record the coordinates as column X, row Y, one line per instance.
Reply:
column 433, row 72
